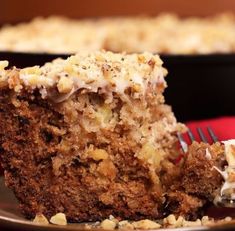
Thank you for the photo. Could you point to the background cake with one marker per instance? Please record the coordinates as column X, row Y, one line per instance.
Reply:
column 164, row 34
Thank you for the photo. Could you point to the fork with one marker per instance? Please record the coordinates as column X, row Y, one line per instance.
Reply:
column 202, row 136
column 222, row 201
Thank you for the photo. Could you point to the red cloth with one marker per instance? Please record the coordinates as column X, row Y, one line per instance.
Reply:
column 223, row 127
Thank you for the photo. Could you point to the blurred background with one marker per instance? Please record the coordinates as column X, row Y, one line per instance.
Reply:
column 12, row 11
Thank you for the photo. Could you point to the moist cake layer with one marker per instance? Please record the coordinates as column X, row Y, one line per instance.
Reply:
column 88, row 136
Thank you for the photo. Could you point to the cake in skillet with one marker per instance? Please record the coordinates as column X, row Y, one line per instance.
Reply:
column 164, row 34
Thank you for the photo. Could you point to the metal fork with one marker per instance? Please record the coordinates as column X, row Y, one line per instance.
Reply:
column 220, row 201
column 202, row 136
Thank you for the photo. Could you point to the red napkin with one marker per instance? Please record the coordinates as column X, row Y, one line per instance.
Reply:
column 223, row 127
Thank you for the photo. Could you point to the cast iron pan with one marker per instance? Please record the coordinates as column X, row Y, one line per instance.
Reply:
column 199, row 86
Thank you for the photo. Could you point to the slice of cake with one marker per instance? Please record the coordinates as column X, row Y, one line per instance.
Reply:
column 205, row 177
column 87, row 136
column 198, row 181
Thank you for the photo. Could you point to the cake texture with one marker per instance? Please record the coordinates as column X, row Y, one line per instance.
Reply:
column 91, row 136
column 88, row 136
column 165, row 34
column 197, row 182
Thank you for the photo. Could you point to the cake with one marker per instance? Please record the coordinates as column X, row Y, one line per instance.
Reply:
column 88, row 136
column 165, row 34
column 91, row 136
column 197, row 182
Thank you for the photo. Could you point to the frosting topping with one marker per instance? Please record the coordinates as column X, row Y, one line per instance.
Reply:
column 105, row 71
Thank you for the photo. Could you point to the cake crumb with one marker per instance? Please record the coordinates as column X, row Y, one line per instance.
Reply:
column 228, row 219
column 125, row 225
column 108, row 224
column 146, row 224
column 40, row 219
column 171, row 221
column 207, row 221
column 59, row 219
column 192, row 223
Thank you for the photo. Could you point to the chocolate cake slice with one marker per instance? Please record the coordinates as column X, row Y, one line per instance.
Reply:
column 87, row 136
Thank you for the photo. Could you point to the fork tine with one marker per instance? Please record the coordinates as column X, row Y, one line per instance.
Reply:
column 191, row 136
column 212, row 134
column 183, row 144
column 202, row 136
